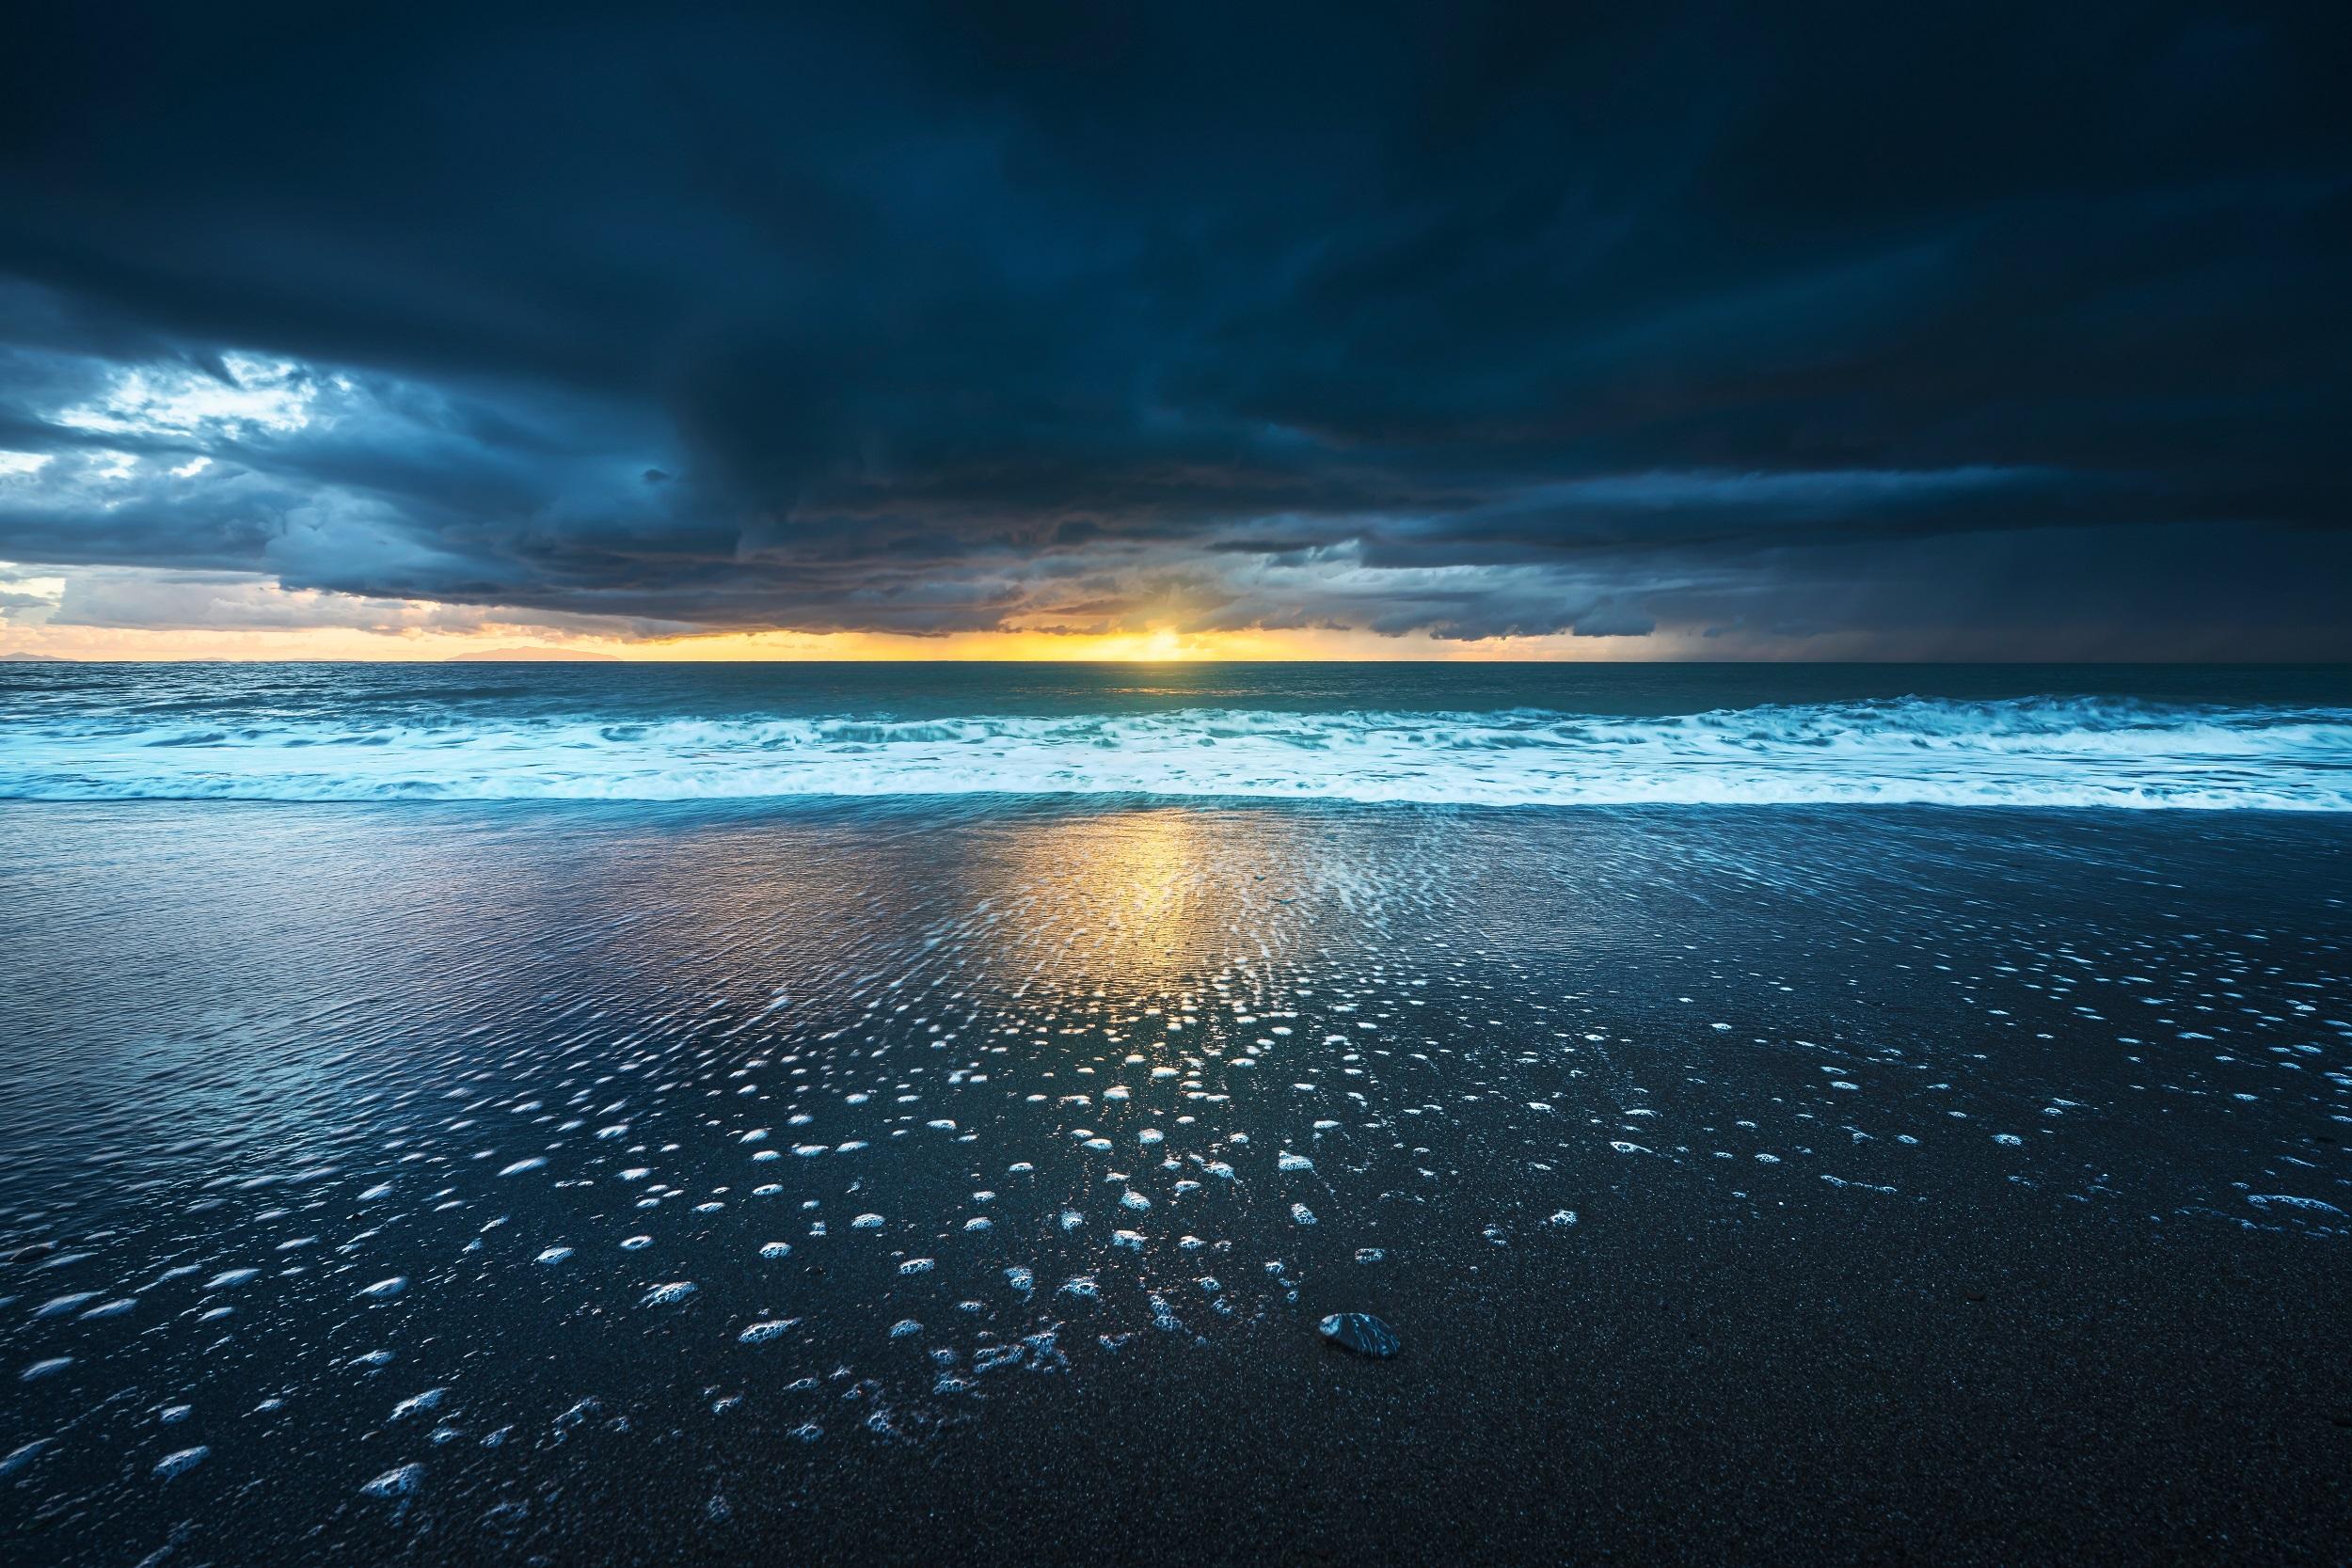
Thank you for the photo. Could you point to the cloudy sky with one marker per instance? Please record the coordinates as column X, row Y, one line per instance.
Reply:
column 1624, row 331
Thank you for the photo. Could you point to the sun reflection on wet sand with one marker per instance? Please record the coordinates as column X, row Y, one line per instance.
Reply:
column 425, row 1159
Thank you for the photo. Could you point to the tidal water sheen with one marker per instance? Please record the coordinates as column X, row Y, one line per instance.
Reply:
column 966, row 1175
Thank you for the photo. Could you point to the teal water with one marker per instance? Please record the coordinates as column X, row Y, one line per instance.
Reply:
column 2211, row 738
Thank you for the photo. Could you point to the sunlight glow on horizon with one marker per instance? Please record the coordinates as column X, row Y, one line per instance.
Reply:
column 237, row 620
column 1158, row 645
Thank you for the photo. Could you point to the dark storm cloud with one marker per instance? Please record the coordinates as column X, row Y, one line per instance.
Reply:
column 1779, row 321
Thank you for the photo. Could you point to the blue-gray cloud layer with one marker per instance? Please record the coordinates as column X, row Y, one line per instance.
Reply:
column 1890, row 322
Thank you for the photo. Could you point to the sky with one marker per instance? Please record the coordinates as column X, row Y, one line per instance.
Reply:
column 1662, row 331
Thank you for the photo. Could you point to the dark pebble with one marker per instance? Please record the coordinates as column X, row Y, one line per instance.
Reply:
column 1362, row 1332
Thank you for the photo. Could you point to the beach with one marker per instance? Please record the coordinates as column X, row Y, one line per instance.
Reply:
column 1062, row 786
column 656, row 1180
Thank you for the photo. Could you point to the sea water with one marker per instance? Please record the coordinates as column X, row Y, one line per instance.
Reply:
column 2212, row 739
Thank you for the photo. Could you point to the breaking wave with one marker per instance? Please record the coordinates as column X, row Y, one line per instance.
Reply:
column 2038, row 752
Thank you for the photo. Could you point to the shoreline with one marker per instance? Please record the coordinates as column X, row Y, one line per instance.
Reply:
column 1839, row 1184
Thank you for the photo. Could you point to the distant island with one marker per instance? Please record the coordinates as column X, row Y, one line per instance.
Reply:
column 33, row 658
column 533, row 656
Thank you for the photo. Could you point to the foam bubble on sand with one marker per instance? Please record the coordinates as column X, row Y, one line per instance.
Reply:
column 384, row 1290
column 430, row 1400
column 400, row 1481
column 553, row 1255
column 183, row 1459
column 670, row 1294
column 2284, row 1200
column 18, row 1458
column 760, row 1333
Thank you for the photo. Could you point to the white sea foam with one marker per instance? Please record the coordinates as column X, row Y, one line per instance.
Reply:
column 185, row 1459
column 2042, row 752
column 398, row 1482
column 765, row 1330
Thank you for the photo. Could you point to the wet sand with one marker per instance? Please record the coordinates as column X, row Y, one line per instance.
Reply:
column 1844, row 1185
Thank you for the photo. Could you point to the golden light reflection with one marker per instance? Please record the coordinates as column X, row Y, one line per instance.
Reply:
column 1134, row 887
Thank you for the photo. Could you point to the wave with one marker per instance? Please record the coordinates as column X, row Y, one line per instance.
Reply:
column 2038, row 752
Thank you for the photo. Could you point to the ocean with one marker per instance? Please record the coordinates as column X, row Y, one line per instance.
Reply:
column 2262, row 737
column 658, row 1113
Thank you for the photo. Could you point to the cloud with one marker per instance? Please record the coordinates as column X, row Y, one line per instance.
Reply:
column 148, row 599
column 1611, row 620
column 1473, row 322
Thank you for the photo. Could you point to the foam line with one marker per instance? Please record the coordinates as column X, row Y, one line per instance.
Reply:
column 2042, row 753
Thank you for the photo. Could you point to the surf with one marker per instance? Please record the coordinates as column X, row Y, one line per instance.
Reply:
column 2042, row 753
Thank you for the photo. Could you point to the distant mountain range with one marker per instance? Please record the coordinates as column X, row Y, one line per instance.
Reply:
column 33, row 658
column 533, row 656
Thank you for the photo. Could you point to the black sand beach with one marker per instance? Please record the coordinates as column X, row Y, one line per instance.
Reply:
column 1859, row 1185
